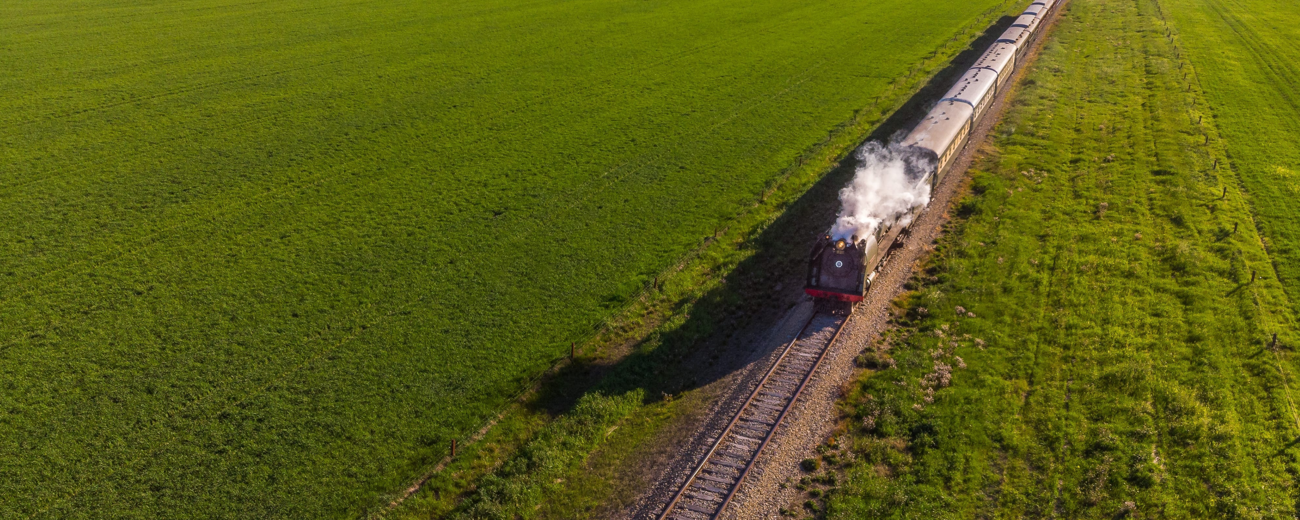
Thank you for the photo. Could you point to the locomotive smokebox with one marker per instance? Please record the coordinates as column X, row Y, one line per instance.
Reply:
column 838, row 270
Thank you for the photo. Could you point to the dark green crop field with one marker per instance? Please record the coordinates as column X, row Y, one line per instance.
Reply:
column 1093, row 337
column 264, row 259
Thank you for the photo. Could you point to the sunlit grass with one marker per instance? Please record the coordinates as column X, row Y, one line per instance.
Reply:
column 1104, row 310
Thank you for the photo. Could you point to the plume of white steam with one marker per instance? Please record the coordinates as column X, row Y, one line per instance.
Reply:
column 886, row 187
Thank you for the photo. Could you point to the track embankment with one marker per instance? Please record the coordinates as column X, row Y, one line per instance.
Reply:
column 707, row 491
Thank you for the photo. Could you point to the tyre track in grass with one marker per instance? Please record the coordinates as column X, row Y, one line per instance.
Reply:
column 1265, row 55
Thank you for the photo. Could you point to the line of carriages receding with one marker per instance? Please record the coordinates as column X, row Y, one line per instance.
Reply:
column 842, row 269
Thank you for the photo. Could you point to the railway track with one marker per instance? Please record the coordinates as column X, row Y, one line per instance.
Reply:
column 708, row 491
column 710, row 488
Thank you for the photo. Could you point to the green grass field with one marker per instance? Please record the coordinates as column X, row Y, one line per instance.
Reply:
column 1111, row 357
column 266, row 259
column 1246, row 57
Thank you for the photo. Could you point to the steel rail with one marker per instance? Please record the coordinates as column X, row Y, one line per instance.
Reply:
column 729, row 429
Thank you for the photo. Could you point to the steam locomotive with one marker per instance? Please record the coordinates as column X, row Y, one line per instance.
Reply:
column 842, row 269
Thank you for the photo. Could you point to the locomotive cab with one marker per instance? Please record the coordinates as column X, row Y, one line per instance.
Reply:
column 837, row 269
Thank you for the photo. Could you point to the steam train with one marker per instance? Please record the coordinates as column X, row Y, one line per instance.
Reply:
column 843, row 268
